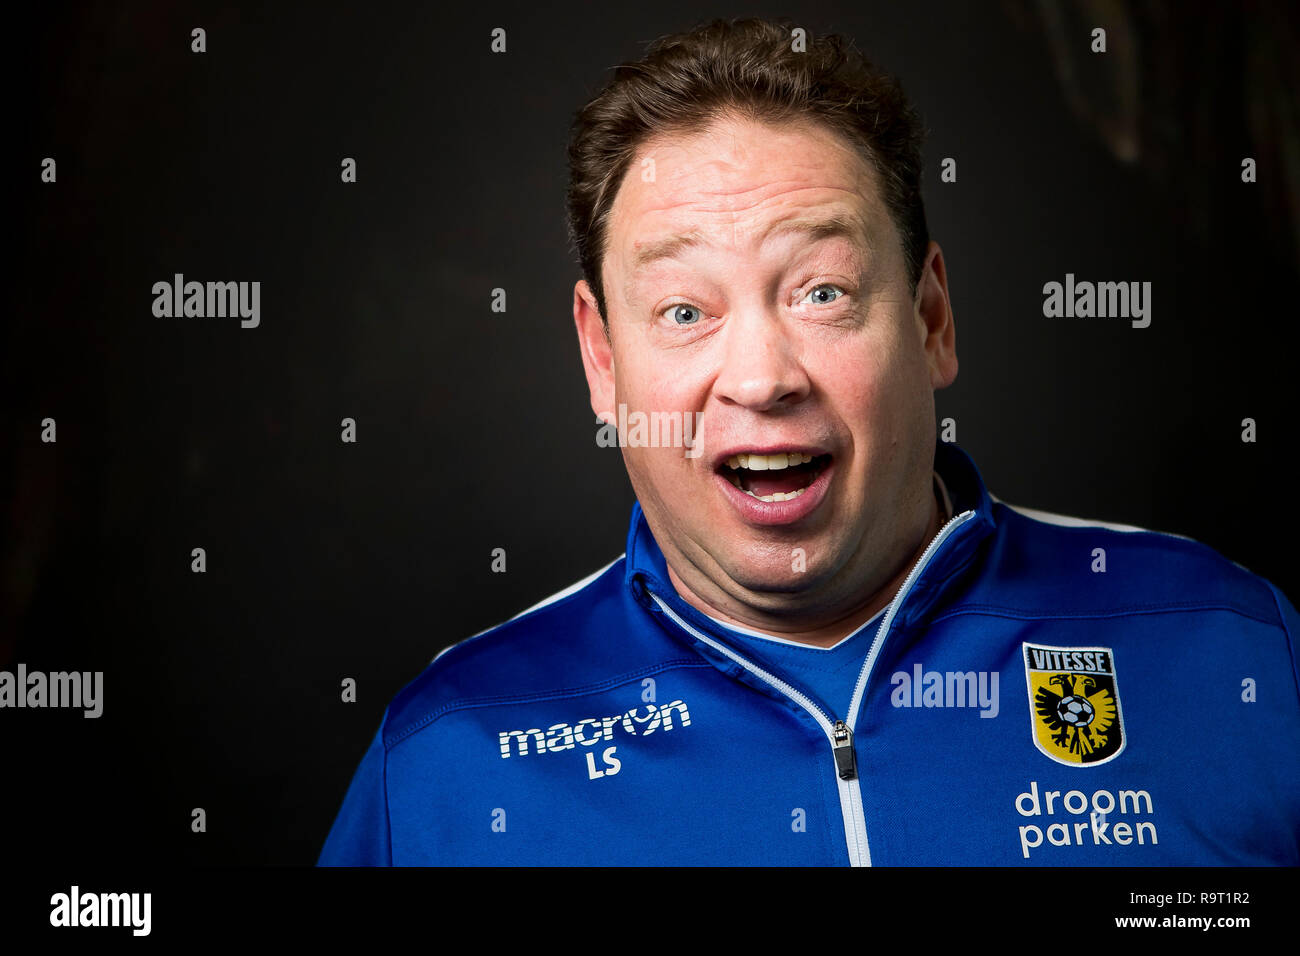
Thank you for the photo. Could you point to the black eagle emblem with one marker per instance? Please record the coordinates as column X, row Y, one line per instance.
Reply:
column 1081, row 715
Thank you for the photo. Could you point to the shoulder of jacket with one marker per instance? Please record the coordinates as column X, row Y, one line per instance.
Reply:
column 574, row 639
column 1152, row 569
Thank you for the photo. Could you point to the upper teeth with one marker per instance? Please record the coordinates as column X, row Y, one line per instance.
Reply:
column 769, row 462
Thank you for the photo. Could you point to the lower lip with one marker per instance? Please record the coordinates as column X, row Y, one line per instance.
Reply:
column 773, row 513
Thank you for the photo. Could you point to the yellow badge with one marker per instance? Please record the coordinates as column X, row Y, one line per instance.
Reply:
column 1074, row 709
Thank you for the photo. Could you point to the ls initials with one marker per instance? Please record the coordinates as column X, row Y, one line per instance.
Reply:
column 612, row 764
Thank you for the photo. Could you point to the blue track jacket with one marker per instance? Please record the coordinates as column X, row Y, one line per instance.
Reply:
column 1042, row 691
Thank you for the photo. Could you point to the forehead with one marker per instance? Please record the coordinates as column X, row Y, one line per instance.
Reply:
column 738, row 183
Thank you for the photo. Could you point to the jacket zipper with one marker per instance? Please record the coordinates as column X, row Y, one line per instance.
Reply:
column 860, row 688
column 839, row 746
column 838, row 732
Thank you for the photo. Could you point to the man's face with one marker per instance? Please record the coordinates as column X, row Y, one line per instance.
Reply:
column 788, row 341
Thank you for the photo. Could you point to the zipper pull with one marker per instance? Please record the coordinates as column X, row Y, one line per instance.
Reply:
column 845, row 762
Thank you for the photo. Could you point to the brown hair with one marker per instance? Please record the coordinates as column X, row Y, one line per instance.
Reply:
column 743, row 66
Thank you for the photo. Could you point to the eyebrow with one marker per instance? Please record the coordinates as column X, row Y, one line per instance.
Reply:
column 835, row 226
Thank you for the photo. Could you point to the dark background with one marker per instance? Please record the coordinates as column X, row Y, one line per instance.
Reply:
column 329, row 560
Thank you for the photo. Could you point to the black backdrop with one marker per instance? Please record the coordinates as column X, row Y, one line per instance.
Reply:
column 328, row 560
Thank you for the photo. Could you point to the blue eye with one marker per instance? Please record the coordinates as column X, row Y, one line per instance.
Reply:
column 677, row 311
column 826, row 285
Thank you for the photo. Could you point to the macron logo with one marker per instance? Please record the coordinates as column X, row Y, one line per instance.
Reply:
column 592, row 730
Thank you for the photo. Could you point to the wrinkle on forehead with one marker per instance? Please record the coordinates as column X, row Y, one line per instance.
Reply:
column 772, row 190
column 704, row 184
column 737, row 180
column 818, row 222
column 719, row 177
column 668, row 230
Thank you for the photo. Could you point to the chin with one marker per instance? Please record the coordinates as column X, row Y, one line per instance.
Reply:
column 777, row 579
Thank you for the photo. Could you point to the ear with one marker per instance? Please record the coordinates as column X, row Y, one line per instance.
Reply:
column 597, row 353
column 933, row 315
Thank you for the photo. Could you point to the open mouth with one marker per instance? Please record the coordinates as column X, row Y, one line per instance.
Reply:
column 780, row 477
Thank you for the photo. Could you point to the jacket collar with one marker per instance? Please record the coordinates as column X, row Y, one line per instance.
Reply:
column 973, row 517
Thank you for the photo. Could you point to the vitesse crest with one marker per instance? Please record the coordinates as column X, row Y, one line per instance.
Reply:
column 1074, row 708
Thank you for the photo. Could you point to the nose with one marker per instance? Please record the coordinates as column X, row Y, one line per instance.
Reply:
column 761, row 367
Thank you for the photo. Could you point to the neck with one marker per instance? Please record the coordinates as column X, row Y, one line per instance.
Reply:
column 824, row 634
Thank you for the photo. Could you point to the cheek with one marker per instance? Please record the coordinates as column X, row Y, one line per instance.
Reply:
column 864, row 382
column 879, row 391
column 654, row 405
column 655, row 386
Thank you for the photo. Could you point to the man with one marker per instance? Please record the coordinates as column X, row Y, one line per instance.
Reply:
column 826, row 642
